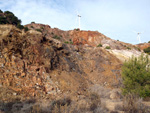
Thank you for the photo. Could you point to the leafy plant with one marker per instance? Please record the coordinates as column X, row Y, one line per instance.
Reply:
column 136, row 76
column 148, row 41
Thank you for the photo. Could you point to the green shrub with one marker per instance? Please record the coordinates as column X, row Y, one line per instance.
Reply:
column 99, row 45
column 148, row 41
column 9, row 18
column 77, row 29
column 20, row 26
column 136, row 76
column 138, row 49
column 3, row 20
column 26, row 29
column 147, row 50
column 56, row 37
column 68, row 42
column 39, row 30
column 107, row 47
column 128, row 48
column 32, row 22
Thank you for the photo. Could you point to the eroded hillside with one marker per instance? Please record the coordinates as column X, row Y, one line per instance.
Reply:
column 36, row 63
column 48, row 62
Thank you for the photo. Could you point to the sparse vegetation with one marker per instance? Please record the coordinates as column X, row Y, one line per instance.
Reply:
column 26, row 29
column 99, row 45
column 138, row 49
column 32, row 22
column 125, row 46
column 39, row 30
column 133, row 104
column 136, row 76
column 68, row 42
column 56, row 37
column 128, row 48
column 107, row 47
column 77, row 29
column 20, row 26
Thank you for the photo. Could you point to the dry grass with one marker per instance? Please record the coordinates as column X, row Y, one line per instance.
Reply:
column 133, row 104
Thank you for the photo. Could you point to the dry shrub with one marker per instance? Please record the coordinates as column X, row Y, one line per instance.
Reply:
column 62, row 106
column 95, row 101
column 133, row 104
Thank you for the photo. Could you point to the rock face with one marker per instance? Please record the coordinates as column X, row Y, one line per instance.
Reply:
column 46, row 61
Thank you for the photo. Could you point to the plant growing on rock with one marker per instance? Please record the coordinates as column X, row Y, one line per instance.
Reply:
column 68, row 42
column 136, row 76
column 128, row 48
column 107, row 47
column 56, row 37
column 8, row 17
column 39, row 30
column 99, row 45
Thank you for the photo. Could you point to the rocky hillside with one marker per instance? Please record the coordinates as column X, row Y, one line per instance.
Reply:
column 44, row 60
column 49, row 62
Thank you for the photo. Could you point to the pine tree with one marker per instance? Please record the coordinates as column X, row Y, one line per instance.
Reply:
column 136, row 76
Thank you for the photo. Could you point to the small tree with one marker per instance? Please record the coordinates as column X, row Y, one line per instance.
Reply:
column 147, row 50
column 136, row 76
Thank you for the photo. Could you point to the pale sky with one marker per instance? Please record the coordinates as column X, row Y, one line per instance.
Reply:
column 117, row 19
